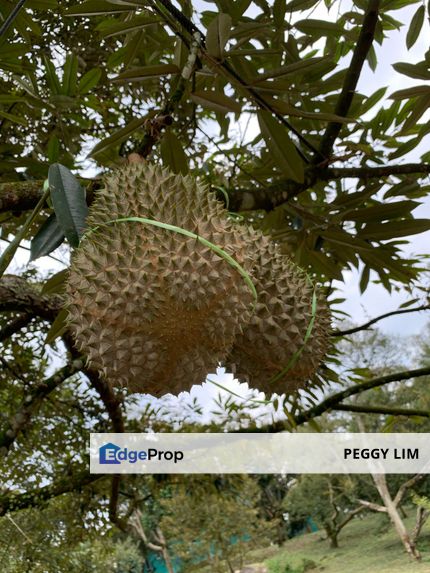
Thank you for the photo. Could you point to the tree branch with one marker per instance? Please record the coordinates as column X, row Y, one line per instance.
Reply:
column 364, row 43
column 386, row 410
column 366, row 325
column 333, row 401
column 224, row 67
column 15, row 325
column 373, row 506
column 16, row 294
column 23, row 195
column 13, row 501
column 32, row 401
column 405, row 486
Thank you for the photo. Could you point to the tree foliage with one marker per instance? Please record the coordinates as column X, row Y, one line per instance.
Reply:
column 278, row 108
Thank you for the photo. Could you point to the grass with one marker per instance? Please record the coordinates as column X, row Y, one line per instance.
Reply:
column 368, row 545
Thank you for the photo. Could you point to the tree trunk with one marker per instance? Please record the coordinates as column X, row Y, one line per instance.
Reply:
column 332, row 536
column 381, row 486
column 422, row 516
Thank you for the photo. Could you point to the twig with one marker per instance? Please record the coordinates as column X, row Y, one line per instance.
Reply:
column 334, row 400
column 9, row 20
column 385, row 410
column 352, row 76
column 366, row 325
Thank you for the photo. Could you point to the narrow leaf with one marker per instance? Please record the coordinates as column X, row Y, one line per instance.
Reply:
column 417, row 71
column 107, row 28
column 89, row 80
column 280, row 145
column 68, row 200
column 173, row 154
column 216, row 101
column 47, row 239
column 411, row 92
column 70, row 75
column 415, row 27
column 58, row 327
column 383, row 231
column 217, row 36
column 95, row 7
column 56, row 283
column 145, row 72
column 117, row 137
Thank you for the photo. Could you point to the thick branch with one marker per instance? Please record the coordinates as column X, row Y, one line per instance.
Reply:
column 22, row 196
column 366, row 325
column 405, row 486
column 364, row 43
column 16, row 294
column 32, row 401
column 386, row 410
column 13, row 501
column 373, row 506
column 333, row 401
column 15, row 325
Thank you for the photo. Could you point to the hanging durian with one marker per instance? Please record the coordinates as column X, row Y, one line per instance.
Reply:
column 285, row 340
column 153, row 310
column 156, row 311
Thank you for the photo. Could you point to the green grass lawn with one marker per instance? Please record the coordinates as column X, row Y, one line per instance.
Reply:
column 366, row 545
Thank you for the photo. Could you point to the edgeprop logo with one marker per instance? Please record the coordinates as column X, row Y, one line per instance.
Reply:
column 112, row 454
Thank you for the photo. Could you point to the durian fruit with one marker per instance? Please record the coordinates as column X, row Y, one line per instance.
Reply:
column 274, row 339
column 155, row 311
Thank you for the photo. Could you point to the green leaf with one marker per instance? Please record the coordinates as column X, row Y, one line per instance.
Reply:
column 301, row 65
column 319, row 28
column 107, row 28
column 394, row 229
column 47, row 239
column 217, row 35
column 58, row 327
column 364, row 279
column 411, row 92
column 51, row 76
column 296, row 5
column 53, row 148
column 56, row 283
column 13, row 117
column 280, row 145
column 138, row 74
column 372, row 59
column 173, row 154
column 405, row 148
column 89, row 80
column 117, row 137
column 95, row 7
column 41, row 4
column 419, row 71
column 70, row 75
column 372, row 100
column 286, row 109
column 68, row 200
column 382, row 212
column 216, row 101
column 415, row 27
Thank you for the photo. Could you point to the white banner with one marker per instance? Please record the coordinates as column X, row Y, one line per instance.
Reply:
column 250, row 453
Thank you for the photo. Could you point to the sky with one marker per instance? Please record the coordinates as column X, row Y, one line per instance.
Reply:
column 375, row 300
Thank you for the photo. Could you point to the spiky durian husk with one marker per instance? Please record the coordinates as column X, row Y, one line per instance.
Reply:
column 277, row 329
column 153, row 310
